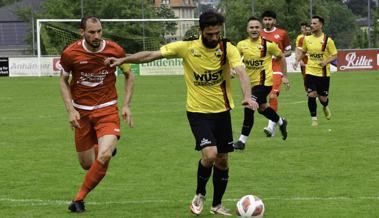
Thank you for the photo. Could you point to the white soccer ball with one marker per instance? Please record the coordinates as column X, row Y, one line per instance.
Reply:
column 250, row 206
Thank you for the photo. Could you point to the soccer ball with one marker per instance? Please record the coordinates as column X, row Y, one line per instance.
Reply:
column 250, row 206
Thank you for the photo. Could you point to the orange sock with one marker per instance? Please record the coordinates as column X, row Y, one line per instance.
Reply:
column 274, row 104
column 94, row 175
column 96, row 148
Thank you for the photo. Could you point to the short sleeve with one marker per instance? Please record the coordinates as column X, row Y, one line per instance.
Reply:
column 174, row 50
column 273, row 49
column 332, row 48
column 234, row 56
column 65, row 63
column 304, row 47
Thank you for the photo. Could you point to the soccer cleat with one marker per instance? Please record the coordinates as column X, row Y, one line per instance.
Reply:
column 268, row 131
column 77, row 206
column 314, row 123
column 283, row 129
column 197, row 204
column 114, row 152
column 220, row 210
column 327, row 113
column 239, row 145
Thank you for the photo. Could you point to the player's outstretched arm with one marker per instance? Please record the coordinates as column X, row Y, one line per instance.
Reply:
column 140, row 57
column 129, row 86
column 73, row 114
column 246, row 87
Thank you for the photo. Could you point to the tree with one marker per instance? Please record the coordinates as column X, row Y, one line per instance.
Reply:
column 165, row 12
column 359, row 7
column 4, row 3
column 127, row 34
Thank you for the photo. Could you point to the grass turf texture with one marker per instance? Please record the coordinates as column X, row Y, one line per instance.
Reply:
column 329, row 170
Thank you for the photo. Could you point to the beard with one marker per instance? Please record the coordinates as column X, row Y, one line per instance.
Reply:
column 91, row 44
column 212, row 44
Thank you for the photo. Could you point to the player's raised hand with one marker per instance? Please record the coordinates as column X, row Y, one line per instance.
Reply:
column 127, row 115
column 112, row 62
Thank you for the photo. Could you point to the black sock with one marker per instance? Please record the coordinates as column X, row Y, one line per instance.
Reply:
column 325, row 103
column 203, row 175
column 220, row 180
column 248, row 122
column 312, row 106
column 270, row 114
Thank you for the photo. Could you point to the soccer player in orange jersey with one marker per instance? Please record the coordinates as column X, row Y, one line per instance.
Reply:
column 280, row 38
column 91, row 102
column 304, row 61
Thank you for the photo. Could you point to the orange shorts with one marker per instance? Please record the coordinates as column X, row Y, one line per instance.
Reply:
column 277, row 82
column 95, row 124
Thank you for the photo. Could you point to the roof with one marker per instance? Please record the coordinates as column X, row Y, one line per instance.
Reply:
column 6, row 13
column 362, row 22
column 176, row 4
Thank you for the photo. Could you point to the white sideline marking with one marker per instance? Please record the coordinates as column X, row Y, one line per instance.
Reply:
column 37, row 202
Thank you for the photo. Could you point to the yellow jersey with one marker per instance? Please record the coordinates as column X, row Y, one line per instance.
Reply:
column 258, row 60
column 206, row 72
column 298, row 39
column 319, row 49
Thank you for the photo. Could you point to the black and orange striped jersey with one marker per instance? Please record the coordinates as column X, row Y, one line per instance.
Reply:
column 206, row 72
column 319, row 49
column 258, row 60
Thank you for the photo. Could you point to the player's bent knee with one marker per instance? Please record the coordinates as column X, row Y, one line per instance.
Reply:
column 104, row 157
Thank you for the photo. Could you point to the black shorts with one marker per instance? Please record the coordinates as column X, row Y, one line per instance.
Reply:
column 319, row 84
column 259, row 93
column 212, row 130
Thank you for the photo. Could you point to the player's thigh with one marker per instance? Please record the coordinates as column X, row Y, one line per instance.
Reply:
column 323, row 86
column 224, row 133
column 259, row 93
column 203, row 127
column 85, row 137
column 311, row 83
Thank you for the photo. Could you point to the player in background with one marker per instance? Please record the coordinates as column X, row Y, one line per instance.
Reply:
column 280, row 38
column 321, row 52
column 302, row 28
column 91, row 102
column 258, row 53
column 206, row 61
column 303, row 62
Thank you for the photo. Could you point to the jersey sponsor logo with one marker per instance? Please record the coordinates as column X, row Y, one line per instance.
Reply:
column 93, row 79
column 254, row 64
column 196, row 54
column 354, row 62
column 316, row 57
column 117, row 130
column 83, row 62
column 208, row 78
column 218, row 53
column 204, row 142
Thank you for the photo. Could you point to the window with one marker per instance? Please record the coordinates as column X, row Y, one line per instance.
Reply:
column 186, row 2
column 183, row 13
column 167, row 2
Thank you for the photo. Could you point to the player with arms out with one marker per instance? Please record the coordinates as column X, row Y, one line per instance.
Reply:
column 321, row 52
column 209, row 100
column 91, row 102
column 258, row 53
column 298, row 51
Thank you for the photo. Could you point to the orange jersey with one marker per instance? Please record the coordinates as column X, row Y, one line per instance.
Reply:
column 92, row 84
column 280, row 38
column 305, row 59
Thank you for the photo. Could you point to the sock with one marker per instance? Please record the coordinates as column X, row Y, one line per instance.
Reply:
column 270, row 114
column 248, row 122
column 273, row 104
column 271, row 124
column 94, row 175
column 220, row 180
column 312, row 106
column 203, row 175
column 243, row 138
column 324, row 104
column 96, row 148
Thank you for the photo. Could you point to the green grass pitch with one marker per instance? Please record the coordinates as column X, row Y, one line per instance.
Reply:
column 330, row 170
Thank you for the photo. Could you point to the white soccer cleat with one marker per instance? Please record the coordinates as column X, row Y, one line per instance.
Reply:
column 197, row 204
column 220, row 210
column 267, row 131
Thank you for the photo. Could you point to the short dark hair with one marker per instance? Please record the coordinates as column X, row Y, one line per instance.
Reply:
column 210, row 18
column 309, row 26
column 304, row 23
column 321, row 19
column 253, row 18
column 269, row 13
column 83, row 22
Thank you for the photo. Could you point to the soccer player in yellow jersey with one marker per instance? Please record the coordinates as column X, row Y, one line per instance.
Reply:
column 206, row 61
column 321, row 52
column 302, row 25
column 258, row 53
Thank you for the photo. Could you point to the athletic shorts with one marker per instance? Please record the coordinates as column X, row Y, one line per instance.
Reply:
column 95, row 124
column 259, row 93
column 212, row 130
column 319, row 84
column 277, row 82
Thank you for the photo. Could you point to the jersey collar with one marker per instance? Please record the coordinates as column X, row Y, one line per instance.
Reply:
column 85, row 48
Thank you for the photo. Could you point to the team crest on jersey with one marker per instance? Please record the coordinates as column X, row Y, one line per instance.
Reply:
column 218, row 53
column 277, row 36
column 260, row 47
column 321, row 41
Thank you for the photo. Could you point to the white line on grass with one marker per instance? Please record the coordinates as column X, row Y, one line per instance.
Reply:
column 37, row 202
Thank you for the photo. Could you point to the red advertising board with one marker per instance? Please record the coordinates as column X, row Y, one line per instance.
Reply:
column 358, row 60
